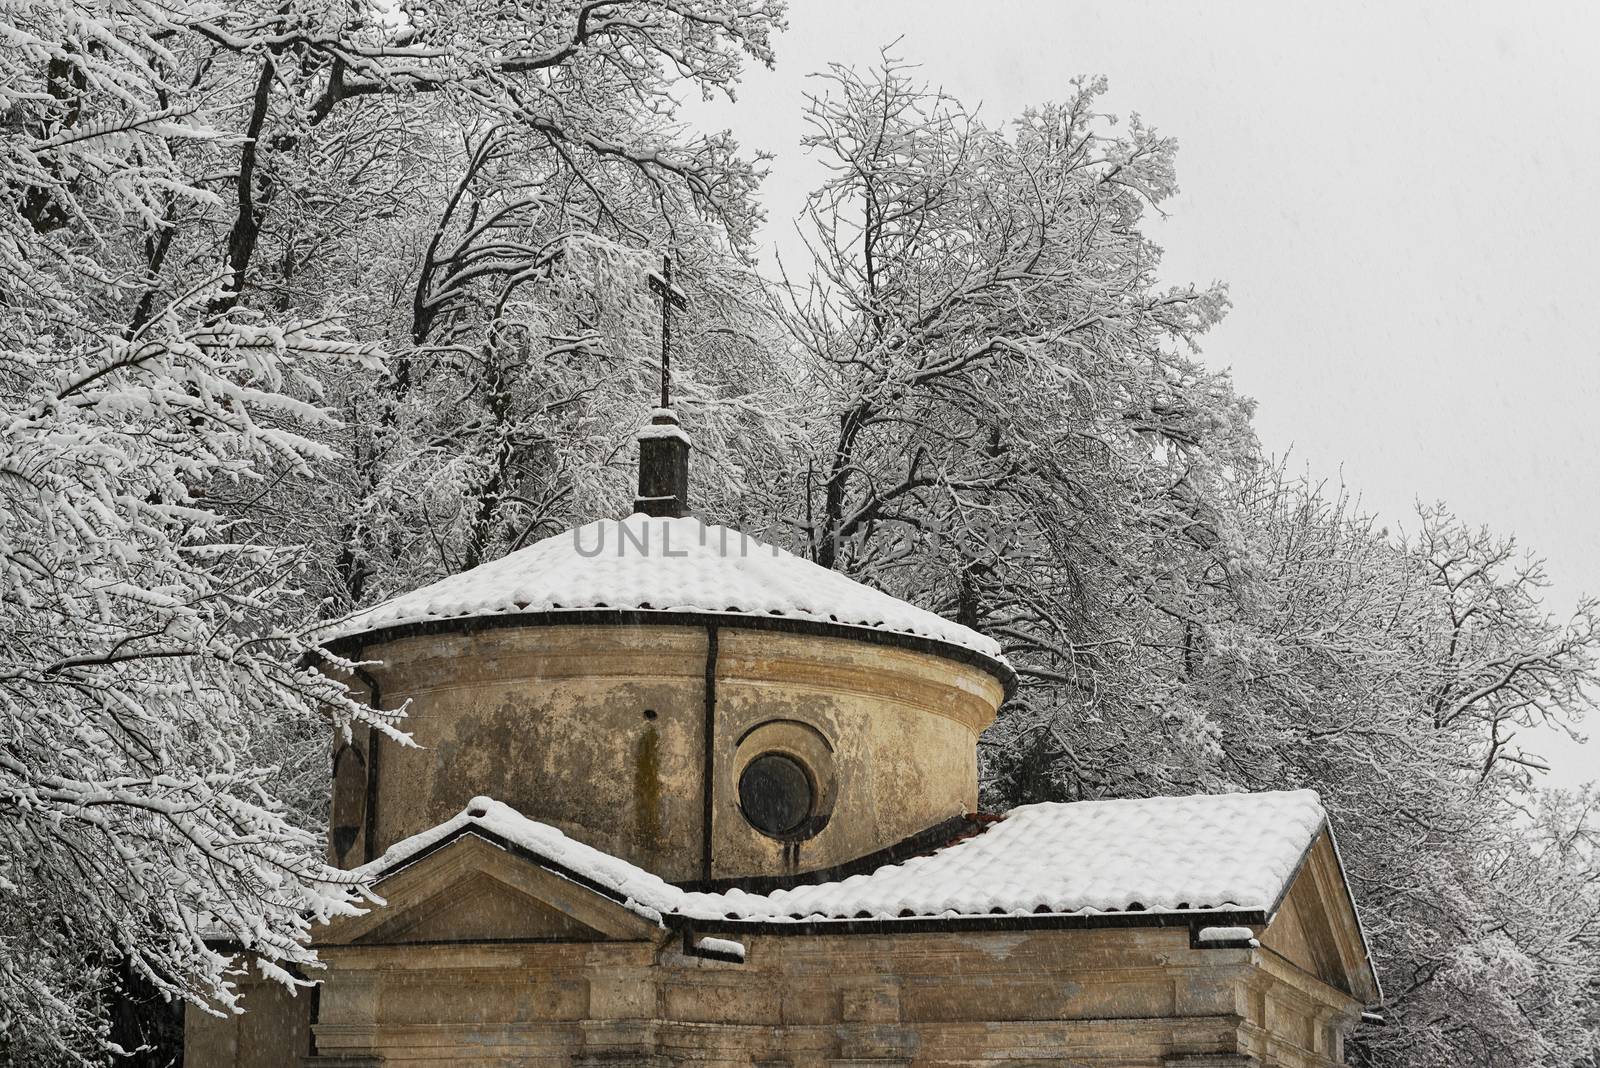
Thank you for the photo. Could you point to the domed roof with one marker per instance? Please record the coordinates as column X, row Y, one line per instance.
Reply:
column 645, row 564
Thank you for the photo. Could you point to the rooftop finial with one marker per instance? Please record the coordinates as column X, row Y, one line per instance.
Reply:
column 663, row 446
column 671, row 297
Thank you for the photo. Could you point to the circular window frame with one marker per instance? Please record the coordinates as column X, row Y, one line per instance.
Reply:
column 798, row 828
column 806, row 747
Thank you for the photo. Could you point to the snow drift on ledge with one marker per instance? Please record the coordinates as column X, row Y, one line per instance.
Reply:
column 661, row 565
column 1204, row 853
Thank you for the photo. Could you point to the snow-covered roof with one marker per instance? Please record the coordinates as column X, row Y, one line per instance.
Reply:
column 649, row 564
column 1202, row 854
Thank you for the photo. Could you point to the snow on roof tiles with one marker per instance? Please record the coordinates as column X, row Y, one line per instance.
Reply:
column 659, row 565
column 1203, row 853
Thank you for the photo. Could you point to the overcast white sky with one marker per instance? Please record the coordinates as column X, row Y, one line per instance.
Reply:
column 1400, row 195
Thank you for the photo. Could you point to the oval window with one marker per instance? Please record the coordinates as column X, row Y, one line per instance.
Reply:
column 776, row 795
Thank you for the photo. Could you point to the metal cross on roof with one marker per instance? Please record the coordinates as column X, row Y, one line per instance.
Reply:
column 671, row 297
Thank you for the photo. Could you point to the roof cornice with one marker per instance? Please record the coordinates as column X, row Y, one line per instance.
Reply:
column 353, row 646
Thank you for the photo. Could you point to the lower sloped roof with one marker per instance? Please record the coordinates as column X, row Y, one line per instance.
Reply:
column 1164, row 856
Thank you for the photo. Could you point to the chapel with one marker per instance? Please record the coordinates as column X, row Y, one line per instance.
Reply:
column 682, row 798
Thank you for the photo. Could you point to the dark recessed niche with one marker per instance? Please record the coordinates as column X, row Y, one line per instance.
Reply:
column 649, row 713
column 776, row 795
column 349, row 799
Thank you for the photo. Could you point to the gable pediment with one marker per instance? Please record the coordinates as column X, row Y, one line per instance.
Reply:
column 472, row 889
column 1315, row 926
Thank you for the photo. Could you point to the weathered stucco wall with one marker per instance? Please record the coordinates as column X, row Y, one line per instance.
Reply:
column 1118, row 997
column 902, row 728
column 600, row 730
column 596, row 730
column 274, row 1031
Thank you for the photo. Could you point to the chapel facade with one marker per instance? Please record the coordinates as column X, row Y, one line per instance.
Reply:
column 683, row 798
